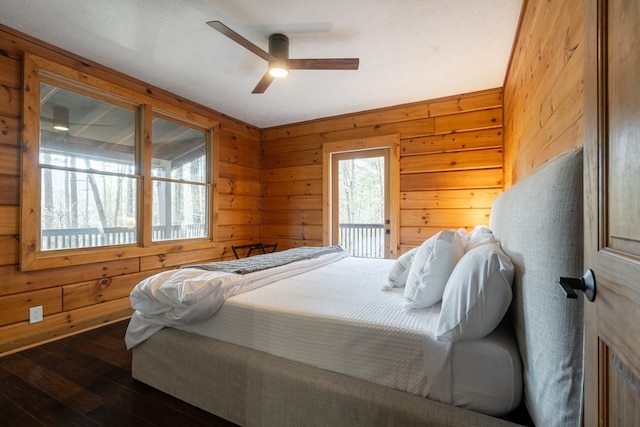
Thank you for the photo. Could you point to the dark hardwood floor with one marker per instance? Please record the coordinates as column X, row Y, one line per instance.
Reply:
column 85, row 380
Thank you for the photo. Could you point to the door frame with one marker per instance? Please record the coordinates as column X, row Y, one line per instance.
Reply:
column 592, row 170
column 390, row 142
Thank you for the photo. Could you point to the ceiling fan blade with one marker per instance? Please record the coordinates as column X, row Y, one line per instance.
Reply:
column 219, row 26
column 50, row 120
column 264, row 83
column 324, row 64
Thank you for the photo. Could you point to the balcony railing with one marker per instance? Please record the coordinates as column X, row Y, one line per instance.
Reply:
column 363, row 240
column 69, row 238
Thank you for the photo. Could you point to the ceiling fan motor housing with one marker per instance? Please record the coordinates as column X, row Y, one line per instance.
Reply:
column 279, row 46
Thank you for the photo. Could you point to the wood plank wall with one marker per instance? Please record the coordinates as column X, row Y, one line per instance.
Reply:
column 451, row 167
column 450, row 160
column 82, row 297
column 543, row 90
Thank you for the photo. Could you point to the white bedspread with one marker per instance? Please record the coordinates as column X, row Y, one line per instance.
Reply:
column 191, row 295
column 337, row 317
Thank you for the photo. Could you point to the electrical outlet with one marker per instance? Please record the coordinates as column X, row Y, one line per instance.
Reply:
column 35, row 314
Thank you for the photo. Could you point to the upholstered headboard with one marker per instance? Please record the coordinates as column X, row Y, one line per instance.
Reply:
column 539, row 223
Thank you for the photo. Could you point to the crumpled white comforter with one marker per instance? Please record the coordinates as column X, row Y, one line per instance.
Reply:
column 191, row 295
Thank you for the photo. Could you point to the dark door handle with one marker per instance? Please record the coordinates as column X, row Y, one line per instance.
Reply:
column 586, row 284
column 387, row 231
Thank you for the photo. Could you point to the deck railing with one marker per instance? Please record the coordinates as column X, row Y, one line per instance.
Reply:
column 363, row 240
column 67, row 238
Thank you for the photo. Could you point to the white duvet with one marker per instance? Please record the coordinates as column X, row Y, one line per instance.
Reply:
column 336, row 317
column 192, row 295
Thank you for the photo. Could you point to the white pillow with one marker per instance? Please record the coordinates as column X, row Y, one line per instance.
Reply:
column 477, row 295
column 433, row 263
column 400, row 270
column 479, row 236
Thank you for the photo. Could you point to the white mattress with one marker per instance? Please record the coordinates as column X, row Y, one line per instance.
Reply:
column 337, row 318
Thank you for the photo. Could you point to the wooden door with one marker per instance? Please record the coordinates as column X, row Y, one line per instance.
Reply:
column 612, row 208
column 389, row 146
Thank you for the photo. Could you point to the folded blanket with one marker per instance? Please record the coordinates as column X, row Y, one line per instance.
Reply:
column 270, row 260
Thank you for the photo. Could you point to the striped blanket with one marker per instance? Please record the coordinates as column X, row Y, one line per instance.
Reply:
column 270, row 260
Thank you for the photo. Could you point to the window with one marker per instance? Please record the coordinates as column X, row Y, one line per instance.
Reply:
column 108, row 173
column 179, row 168
column 87, row 168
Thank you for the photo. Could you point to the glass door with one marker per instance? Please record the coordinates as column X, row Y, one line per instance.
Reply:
column 360, row 202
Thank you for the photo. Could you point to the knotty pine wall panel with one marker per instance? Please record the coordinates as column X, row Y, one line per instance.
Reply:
column 543, row 90
column 455, row 199
column 23, row 334
column 450, row 159
column 432, row 162
column 9, row 159
column 174, row 259
column 9, row 127
column 451, row 180
column 13, row 304
column 489, row 138
column 101, row 290
column 9, row 220
column 86, row 296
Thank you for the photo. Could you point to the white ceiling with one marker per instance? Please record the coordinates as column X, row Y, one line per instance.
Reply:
column 409, row 50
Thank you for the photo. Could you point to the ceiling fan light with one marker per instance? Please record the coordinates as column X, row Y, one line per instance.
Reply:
column 61, row 118
column 278, row 71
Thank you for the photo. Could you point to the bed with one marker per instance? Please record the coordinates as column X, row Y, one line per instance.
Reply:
column 269, row 352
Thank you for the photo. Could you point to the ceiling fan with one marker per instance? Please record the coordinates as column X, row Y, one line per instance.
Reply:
column 278, row 57
column 60, row 119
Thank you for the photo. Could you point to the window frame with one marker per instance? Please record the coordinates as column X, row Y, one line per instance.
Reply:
column 31, row 255
column 151, row 178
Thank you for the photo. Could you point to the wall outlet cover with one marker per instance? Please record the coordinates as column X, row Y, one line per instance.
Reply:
column 35, row 314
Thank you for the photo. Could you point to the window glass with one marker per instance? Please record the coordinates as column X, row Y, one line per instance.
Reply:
column 96, row 134
column 180, row 196
column 87, row 171
column 178, row 151
column 83, row 210
column 179, row 211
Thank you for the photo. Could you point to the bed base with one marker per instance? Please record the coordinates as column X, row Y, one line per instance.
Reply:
column 252, row 388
